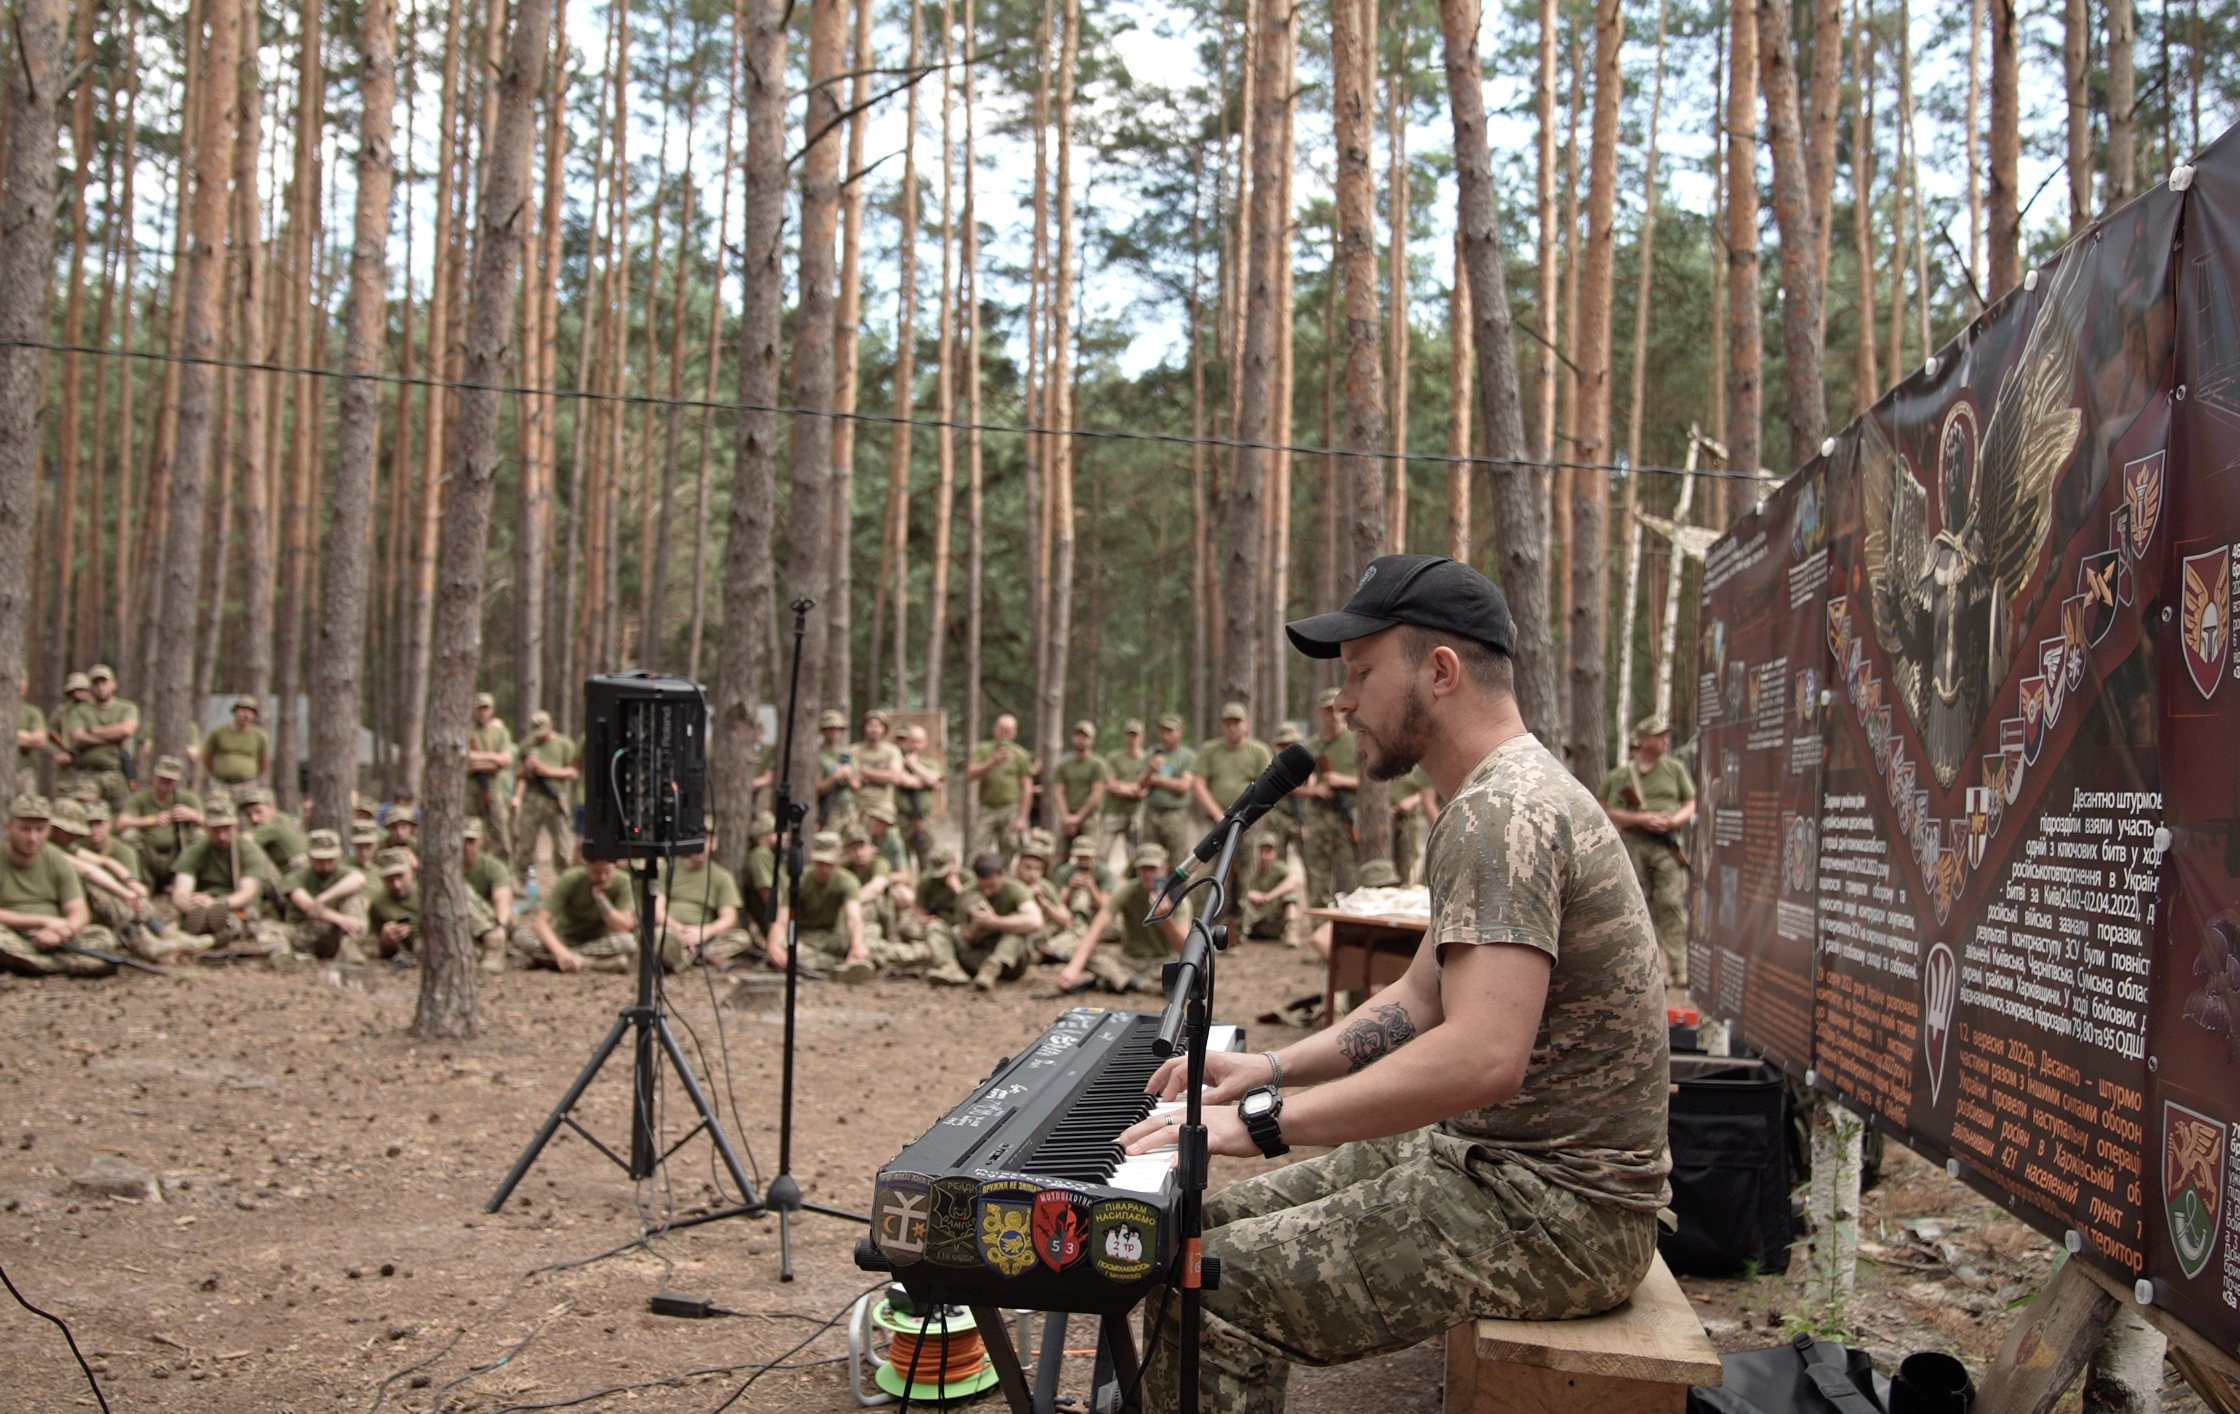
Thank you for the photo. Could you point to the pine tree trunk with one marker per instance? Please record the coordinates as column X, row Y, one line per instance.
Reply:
column 539, row 411
column 1035, row 446
column 945, row 410
column 1276, row 647
column 743, row 649
column 715, row 348
column 2006, row 149
column 155, row 545
column 1629, row 526
column 654, row 613
column 895, row 557
column 1353, row 67
column 1396, row 278
column 1866, row 371
column 1461, row 373
column 1793, row 207
column 128, row 455
column 1973, row 148
column 1563, row 477
column 33, row 116
column 200, row 339
column 2123, row 181
column 1519, row 508
column 2076, row 68
column 1590, row 514
column 1822, row 104
column 975, row 468
column 846, row 329
column 308, row 393
column 1745, row 337
column 1201, row 567
column 447, row 953
column 338, row 668
column 250, row 460
column 1546, row 266
column 1063, row 450
column 73, row 334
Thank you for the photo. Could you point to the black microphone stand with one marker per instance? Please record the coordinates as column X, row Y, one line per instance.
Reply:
column 783, row 1196
column 1184, row 1024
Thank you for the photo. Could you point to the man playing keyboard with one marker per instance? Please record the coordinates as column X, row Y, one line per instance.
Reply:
column 1498, row 1114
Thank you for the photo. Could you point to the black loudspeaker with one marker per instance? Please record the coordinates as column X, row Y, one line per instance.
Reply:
column 645, row 766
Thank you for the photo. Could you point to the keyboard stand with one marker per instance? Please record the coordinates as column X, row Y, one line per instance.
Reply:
column 1116, row 1355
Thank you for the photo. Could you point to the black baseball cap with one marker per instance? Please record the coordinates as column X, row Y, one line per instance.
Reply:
column 1429, row 591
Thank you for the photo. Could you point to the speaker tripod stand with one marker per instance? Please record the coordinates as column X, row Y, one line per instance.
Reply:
column 651, row 1040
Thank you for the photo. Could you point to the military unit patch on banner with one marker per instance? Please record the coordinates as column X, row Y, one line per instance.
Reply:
column 1123, row 1238
column 2096, row 581
column 2034, row 721
column 1979, row 823
column 2053, row 657
column 2072, row 633
column 2142, row 497
column 2192, row 1183
column 1839, row 627
column 2207, row 600
column 1061, row 1227
column 952, row 1239
column 1738, row 679
column 2013, row 733
column 1007, row 1224
column 898, row 1217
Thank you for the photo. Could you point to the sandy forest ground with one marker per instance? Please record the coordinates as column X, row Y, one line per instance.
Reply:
column 320, row 1229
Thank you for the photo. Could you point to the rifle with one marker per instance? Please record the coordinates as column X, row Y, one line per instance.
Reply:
column 114, row 959
column 1338, row 799
column 1631, row 795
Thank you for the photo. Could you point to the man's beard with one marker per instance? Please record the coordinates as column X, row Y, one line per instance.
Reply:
column 1387, row 756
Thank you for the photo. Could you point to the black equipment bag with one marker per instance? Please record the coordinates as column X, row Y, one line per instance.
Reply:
column 1806, row 1376
column 1735, row 1156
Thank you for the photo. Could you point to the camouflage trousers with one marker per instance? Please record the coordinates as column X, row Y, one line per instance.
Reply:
column 1171, row 828
column 485, row 802
column 1267, row 922
column 995, row 829
column 1005, row 955
column 719, row 951
column 329, row 942
column 1105, row 965
column 20, row 955
column 158, row 862
column 1328, row 853
column 541, row 815
column 110, row 785
column 1125, row 826
column 256, row 937
column 614, row 952
column 1665, row 885
column 1380, row 1245
column 826, row 949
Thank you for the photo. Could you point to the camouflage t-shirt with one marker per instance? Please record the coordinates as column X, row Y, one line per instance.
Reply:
column 1525, row 855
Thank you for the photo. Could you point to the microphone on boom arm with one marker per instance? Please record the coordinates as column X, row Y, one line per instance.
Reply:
column 1289, row 771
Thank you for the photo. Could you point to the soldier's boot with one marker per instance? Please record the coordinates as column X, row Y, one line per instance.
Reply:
column 493, row 951
column 945, row 971
column 1006, row 964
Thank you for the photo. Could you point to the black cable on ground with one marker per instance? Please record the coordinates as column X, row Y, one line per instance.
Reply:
column 69, row 1339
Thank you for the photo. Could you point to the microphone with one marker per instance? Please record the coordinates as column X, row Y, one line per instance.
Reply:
column 1289, row 771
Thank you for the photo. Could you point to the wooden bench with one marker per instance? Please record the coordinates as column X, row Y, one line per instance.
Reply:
column 1637, row 1359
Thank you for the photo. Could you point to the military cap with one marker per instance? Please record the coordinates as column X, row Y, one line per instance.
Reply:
column 252, row 794
column 824, row 848
column 1329, row 697
column 31, row 807
column 77, row 682
column 1134, row 725
column 368, row 809
column 323, row 844
column 1170, row 719
column 831, row 717
column 1234, row 712
column 1083, row 848
column 877, row 714
column 393, row 861
column 219, row 811
column 1086, row 728
column 1427, row 591
column 940, row 859
column 1286, row 734
column 1651, row 725
column 484, row 699
column 1039, row 844
column 1151, row 854
column 365, row 832
column 171, row 767
column 764, row 823
column 539, row 720
column 879, row 810
column 401, row 813
column 68, row 815
column 97, row 811
column 472, row 829
column 248, row 702
column 855, row 835
column 1378, row 874
column 100, row 671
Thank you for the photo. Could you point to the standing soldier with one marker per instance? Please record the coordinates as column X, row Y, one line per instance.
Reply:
column 878, row 763
column 1122, row 816
column 42, row 904
column 324, row 902
column 32, row 741
column 762, row 869
column 1329, row 848
column 1415, row 809
column 917, row 799
column 489, row 754
column 95, row 732
column 1229, row 762
column 1287, row 823
column 837, row 778
column 1006, row 775
column 160, row 819
column 1078, row 786
column 543, row 795
column 1168, row 779
column 235, row 755
column 1651, row 799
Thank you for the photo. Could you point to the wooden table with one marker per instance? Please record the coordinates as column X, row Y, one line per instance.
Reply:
column 1367, row 950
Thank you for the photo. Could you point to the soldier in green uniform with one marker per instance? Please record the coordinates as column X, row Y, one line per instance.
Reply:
column 1078, row 784
column 915, row 800
column 1415, row 809
column 1268, row 894
column 837, row 778
column 1652, row 799
column 762, row 871
column 587, row 920
column 544, row 787
column 42, row 904
column 1329, row 850
column 161, row 818
column 400, row 826
column 1121, row 920
column 879, row 826
column 219, row 887
column 1168, row 778
column 490, row 900
column 96, row 733
column 995, row 922
column 1005, row 773
column 878, row 763
column 233, row 756
column 1497, row 1114
column 101, row 838
column 1032, row 868
column 489, row 757
column 697, row 912
column 1124, row 791
column 323, row 902
column 279, row 834
column 1081, row 888
column 832, row 933
column 1287, row 823
column 1229, row 762
column 32, row 741
column 116, row 898
column 393, row 911
column 875, row 884
column 365, row 842
column 934, row 899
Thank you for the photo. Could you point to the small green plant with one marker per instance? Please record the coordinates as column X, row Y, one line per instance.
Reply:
column 1822, row 1320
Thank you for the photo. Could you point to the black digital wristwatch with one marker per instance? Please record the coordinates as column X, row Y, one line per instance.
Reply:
column 1261, row 1109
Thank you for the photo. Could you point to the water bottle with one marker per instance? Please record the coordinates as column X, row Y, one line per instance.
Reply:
column 529, row 891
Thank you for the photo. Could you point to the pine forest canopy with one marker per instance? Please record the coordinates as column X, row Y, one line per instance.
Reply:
column 1241, row 227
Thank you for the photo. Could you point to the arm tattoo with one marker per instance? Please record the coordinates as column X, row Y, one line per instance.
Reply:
column 1376, row 1033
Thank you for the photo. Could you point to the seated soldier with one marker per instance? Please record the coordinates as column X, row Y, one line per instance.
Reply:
column 277, row 833
column 160, row 819
column 393, row 912
column 1268, row 893
column 323, row 902
column 401, row 827
column 879, row 823
column 697, row 912
column 490, row 899
column 1032, row 868
column 365, row 842
column 755, row 889
column 934, row 899
column 831, row 929
column 990, row 941
column 115, row 897
column 1082, row 887
column 1145, row 945
column 101, row 839
column 879, row 889
column 587, row 920
column 219, row 887
column 42, row 903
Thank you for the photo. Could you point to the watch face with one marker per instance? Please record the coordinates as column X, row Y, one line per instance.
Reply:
column 1258, row 1103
